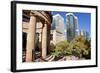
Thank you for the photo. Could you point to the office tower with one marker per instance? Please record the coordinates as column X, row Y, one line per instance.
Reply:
column 57, row 29
column 85, row 34
column 76, row 23
column 71, row 26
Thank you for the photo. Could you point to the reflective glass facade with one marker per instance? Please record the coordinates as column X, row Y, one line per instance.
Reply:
column 72, row 26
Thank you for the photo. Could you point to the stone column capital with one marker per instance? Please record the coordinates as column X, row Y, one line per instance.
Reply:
column 32, row 14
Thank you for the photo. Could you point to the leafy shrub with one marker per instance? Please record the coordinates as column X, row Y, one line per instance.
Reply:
column 79, row 47
column 60, row 48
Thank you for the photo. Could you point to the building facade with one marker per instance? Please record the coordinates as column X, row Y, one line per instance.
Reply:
column 71, row 26
column 85, row 34
column 57, row 29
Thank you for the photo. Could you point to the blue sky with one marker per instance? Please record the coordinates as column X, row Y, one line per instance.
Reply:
column 84, row 20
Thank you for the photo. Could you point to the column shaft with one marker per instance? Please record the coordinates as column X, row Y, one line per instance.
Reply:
column 44, row 41
column 30, row 47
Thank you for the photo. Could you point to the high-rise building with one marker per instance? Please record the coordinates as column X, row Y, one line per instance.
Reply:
column 71, row 26
column 82, row 33
column 76, row 23
column 58, row 23
column 57, row 29
column 85, row 34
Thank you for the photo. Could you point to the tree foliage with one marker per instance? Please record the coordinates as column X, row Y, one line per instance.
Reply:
column 79, row 47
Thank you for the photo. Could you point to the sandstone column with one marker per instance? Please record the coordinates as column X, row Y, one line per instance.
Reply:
column 30, row 47
column 44, row 41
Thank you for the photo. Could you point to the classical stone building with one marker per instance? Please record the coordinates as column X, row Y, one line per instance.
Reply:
column 36, row 25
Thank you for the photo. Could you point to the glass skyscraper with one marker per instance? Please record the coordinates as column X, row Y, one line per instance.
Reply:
column 72, row 26
column 85, row 34
column 58, row 23
column 57, row 28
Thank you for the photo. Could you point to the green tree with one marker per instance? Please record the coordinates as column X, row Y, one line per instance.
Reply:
column 51, row 49
column 81, row 47
column 60, row 48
